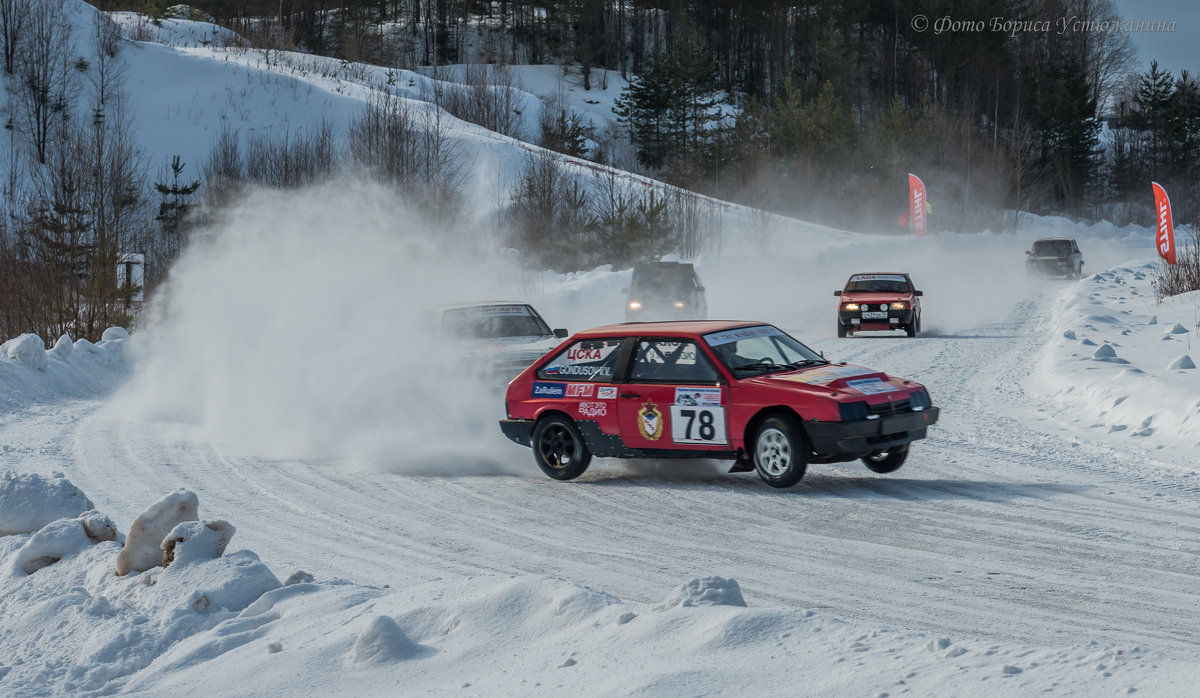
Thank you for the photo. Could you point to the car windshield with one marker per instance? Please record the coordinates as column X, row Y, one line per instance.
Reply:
column 493, row 322
column 760, row 349
column 877, row 283
column 666, row 279
column 1047, row 248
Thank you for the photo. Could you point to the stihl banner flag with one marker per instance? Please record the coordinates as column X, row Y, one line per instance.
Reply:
column 916, row 204
column 1166, row 227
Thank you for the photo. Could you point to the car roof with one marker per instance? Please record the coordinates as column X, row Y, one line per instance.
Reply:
column 473, row 304
column 670, row 328
column 880, row 273
column 1046, row 239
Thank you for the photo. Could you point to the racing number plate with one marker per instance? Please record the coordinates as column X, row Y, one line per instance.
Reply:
column 874, row 315
column 697, row 425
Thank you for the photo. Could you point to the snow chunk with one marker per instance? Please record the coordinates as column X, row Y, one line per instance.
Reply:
column 1104, row 351
column 1085, row 342
column 709, row 591
column 1182, row 362
column 113, row 333
column 63, row 347
column 142, row 551
column 63, row 538
column 1069, row 334
column 192, row 541
column 1177, row 329
column 29, row 502
column 28, row 349
column 382, row 642
column 1153, row 320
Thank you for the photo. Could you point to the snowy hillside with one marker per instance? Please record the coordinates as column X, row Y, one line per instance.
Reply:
column 301, row 505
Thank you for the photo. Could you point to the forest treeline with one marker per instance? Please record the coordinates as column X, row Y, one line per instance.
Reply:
column 819, row 109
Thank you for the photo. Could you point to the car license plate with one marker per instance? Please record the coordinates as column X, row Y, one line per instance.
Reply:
column 876, row 315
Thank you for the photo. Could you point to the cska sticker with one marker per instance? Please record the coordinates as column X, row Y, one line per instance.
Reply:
column 650, row 421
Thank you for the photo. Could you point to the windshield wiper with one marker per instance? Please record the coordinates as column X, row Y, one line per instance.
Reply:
column 764, row 365
column 807, row 362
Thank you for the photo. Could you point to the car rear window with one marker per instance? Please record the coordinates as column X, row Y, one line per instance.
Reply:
column 584, row 360
column 1052, row 247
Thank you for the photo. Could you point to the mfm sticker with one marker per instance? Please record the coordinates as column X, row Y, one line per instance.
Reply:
column 606, row 392
column 871, row 386
column 829, row 375
column 593, row 409
column 579, row 389
column 650, row 421
column 548, row 390
column 698, row 396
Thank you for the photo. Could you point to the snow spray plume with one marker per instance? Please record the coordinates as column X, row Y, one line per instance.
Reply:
column 290, row 331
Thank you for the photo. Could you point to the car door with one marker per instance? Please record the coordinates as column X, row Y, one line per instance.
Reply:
column 673, row 398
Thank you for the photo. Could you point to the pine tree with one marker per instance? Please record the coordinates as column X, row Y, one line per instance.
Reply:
column 176, row 202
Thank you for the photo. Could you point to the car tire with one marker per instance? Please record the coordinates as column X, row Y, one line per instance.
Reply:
column 841, row 330
column 559, row 448
column 911, row 328
column 780, row 451
column 887, row 461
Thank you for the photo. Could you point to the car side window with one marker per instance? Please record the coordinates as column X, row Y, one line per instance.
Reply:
column 584, row 360
column 671, row 361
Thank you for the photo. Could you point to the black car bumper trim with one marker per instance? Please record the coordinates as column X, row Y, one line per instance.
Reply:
column 866, row 435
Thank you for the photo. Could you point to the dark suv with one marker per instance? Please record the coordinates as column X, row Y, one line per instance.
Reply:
column 665, row 291
column 1054, row 257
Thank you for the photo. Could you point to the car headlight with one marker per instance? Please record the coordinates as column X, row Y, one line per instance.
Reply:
column 850, row 306
column 634, row 305
column 919, row 399
column 851, row 411
column 678, row 304
column 900, row 305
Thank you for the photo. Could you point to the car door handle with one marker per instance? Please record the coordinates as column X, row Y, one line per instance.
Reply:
column 631, row 395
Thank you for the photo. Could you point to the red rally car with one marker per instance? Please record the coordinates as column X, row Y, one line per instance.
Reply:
column 879, row 301
column 745, row 391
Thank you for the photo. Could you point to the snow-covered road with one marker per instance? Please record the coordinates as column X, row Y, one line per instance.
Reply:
column 1005, row 524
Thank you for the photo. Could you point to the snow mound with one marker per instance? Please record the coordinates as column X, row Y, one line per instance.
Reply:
column 29, row 502
column 1069, row 334
column 1177, row 329
column 62, row 539
column 707, row 591
column 28, row 349
column 228, row 583
column 383, row 642
column 63, row 347
column 192, row 541
column 113, row 334
column 143, row 549
column 1183, row 362
column 1104, row 351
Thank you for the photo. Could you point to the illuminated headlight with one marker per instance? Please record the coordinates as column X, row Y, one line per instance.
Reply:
column 634, row 305
column 899, row 305
column 678, row 304
column 850, row 306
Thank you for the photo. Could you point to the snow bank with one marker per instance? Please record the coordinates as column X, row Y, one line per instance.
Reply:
column 30, row 501
column 709, row 591
column 63, row 538
column 1114, row 370
column 29, row 374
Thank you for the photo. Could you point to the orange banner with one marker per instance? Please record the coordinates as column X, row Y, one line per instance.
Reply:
column 1166, row 227
column 917, row 205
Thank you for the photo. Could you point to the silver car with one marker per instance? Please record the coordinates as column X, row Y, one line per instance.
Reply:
column 496, row 340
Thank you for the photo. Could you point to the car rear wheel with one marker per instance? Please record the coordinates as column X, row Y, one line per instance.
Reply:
column 780, row 452
column 887, row 461
column 559, row 449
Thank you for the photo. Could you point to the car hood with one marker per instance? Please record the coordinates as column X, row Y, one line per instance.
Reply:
column 830, row 378
column 865, row 297
column 506, row 347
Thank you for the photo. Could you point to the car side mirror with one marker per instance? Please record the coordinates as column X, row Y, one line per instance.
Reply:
column 918, row 293
column 837, row 293
column 560, row 333
column 1028, row 251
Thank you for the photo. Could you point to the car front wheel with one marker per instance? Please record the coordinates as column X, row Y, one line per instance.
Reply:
column 887, row 461
column 841, row 330
column 559, row 449
column 780, row 452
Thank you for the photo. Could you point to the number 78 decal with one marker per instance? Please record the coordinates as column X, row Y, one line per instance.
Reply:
column 697, row 425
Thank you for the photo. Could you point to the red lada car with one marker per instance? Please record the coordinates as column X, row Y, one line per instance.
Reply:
column 745, row 391
column 879, row 302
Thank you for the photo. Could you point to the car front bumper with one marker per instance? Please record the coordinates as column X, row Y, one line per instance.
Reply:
column 863, row 436
column 853, row 319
